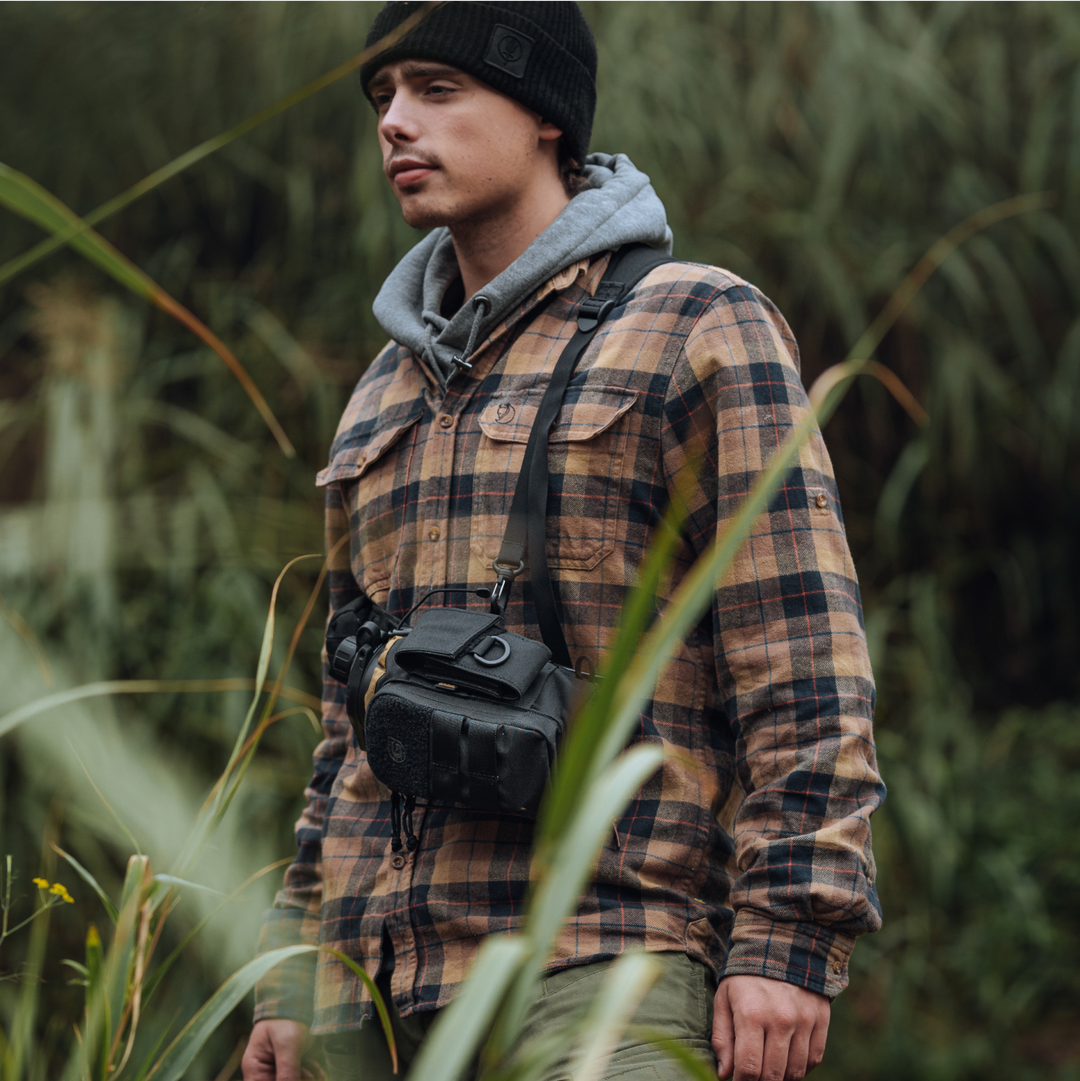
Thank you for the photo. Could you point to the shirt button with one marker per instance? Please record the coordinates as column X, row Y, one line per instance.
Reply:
column 837, row 967
column 397, row 862
column 446, row 421
column 433, row 533
column 822, row 500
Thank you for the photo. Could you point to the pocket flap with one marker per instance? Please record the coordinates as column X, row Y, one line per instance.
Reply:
column 588, row 411
column 358, row 455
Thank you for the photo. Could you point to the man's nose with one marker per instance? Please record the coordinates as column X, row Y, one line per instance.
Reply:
column 397, row 124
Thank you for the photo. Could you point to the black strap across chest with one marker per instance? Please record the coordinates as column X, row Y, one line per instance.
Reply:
column 526, row 527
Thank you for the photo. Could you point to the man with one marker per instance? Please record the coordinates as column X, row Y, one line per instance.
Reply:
column 752, row 869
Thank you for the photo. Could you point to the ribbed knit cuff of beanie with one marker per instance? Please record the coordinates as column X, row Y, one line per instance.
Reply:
column 542, row 55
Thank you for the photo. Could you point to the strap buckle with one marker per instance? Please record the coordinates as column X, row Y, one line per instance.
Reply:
column 500, row 593
column 592, row 312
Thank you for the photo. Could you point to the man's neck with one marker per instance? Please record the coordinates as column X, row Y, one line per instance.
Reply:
column 485, row 248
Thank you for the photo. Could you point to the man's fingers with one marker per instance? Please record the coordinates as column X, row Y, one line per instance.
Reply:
column 274, row 1050
column 778, row 1032
column 723, row 1033
column 798, row 1053
column 816, row 1050
column 749, row 1049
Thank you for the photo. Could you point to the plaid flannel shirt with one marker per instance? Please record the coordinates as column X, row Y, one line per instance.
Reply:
column 756, row 861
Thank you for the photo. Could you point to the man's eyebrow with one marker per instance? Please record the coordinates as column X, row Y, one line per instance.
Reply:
column 414, row 69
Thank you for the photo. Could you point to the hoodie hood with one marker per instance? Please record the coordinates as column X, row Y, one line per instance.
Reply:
column 620, row 208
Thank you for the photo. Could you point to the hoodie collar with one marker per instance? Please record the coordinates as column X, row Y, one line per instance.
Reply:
column 620, row 208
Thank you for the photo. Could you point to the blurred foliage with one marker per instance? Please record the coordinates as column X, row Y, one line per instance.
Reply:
column 816, row 149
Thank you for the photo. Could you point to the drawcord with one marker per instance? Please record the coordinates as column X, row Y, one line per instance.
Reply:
column 481, row 306
column 396, row 817
column 411, row 840
column 395, row 821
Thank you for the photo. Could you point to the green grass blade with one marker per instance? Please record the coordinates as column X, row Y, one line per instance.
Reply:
column 118, row 960
column 561, row 880
column 182, row 1051
column 142, row 686
column 576, row 854
column 620, row 994
column 160, row 972
column 27, row 198
column 376, row 995
column 578, row 762
column 172, row 880
column 455, row 1036
column 92, row 882
column 20, row 1051
column 696, row 1067
column 71, row 231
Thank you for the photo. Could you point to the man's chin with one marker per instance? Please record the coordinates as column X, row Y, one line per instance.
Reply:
column 423, row 215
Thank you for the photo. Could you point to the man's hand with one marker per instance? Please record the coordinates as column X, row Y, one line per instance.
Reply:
column 274, row 1051
column 767, row 1030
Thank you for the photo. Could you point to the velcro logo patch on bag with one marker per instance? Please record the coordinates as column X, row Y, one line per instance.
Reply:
column 509, row 50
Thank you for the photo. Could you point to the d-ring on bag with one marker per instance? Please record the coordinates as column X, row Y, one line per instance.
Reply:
column 458, row 710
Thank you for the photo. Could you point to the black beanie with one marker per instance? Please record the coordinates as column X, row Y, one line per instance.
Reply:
column 540, row 54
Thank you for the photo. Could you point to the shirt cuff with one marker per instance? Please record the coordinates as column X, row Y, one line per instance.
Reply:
column 287, row 991
column 805, row 954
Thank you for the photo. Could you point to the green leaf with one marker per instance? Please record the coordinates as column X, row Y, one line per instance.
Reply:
column 455, row 1036
column 575, row 857
column 30, row 200
column 697, row 1068
column 376, row 995
column 172, row 880
column 121, row 954
column 563, row 879
column 182, row 1051
column 620, row 994
column 92, row 882
column 578, row 761
column 27, row 198
column 71, row 231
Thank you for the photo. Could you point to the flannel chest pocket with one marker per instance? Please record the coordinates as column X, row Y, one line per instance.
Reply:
column 585, row 460
column 370, row 477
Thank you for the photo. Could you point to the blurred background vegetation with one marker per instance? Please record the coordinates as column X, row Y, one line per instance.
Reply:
column 817, row 150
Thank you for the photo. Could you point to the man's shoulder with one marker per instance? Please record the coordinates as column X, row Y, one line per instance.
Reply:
column 389, row 395
column 693, row 287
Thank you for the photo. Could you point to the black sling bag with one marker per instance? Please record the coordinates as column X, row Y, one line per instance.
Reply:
column 457, row 710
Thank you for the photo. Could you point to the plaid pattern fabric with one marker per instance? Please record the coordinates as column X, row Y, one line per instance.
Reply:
column 756, row 859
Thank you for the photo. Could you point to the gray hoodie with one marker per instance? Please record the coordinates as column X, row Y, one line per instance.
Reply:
column 621, row 207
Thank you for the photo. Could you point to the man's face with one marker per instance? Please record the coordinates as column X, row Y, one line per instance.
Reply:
column 454, row 150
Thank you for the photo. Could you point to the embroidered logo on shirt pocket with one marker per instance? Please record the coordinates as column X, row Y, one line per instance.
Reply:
column 585, row 458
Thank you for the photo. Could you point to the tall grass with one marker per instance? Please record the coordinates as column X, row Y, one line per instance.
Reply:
column 815, row 149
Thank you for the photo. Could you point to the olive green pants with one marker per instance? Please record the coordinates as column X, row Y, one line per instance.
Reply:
column 679, row 1004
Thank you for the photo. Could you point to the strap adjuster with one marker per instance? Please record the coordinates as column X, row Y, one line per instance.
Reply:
column 500, row 592
column 592, row 312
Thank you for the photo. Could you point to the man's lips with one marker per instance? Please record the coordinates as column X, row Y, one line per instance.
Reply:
column 408, row 171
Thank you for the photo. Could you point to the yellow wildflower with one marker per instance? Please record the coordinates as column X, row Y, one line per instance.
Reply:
column 61, row 892
column 41, row 883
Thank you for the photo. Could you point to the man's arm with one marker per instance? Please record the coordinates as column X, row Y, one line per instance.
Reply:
column 794, row 682
column 286, row 993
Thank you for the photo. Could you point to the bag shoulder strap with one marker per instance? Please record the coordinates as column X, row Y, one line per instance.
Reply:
column 526, row 526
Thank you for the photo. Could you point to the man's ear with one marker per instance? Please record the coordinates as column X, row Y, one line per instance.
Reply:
column 549, row 131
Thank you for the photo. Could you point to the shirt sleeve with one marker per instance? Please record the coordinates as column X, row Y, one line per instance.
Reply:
column 288, row 991
column 792, row 668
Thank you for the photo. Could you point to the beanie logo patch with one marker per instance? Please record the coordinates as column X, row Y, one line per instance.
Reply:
column 509, row 50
